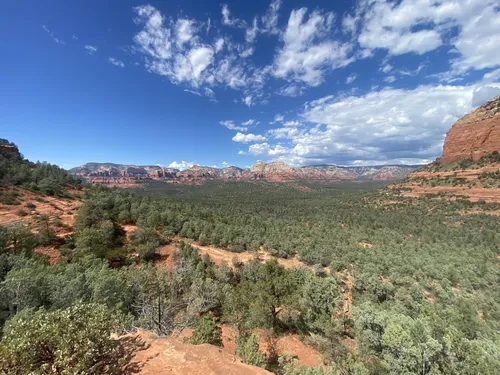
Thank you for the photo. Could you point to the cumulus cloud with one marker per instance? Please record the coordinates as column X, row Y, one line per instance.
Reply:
column 308, row 52
column 116, row 62
column 421, row 26
column 385, row 126
column 91, row 49
column 248, row 138
column 182, row 165
column 181, row 51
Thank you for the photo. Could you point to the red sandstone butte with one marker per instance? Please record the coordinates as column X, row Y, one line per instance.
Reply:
column 474, row 135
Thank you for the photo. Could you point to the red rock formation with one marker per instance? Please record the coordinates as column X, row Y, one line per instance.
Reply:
column 474, row 135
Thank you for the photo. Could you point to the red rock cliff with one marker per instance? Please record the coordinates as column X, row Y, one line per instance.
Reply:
column 474, row 135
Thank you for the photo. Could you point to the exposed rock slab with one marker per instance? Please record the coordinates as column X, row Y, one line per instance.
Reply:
column 166, row 355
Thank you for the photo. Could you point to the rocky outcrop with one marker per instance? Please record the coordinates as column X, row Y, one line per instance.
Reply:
column 276, row 172
column 167, row 355
column 474, row 135
column 9, row 150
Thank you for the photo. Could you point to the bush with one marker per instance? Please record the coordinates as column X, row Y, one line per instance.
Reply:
column 247, row 348
column 207, row 332
column 76, row 340
column 21, row 213
column 30, row 206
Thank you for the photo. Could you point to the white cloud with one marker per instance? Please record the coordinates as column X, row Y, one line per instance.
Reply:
column 307, row 52
column 386, row 126
column 248, row 100
column 248, row 122
column 219, row 45
column 292, row 123
column 182, row 165
column 91, row 49
column 261, row 149
column 182, row 51
column 185, row 31
column 421, row 26
column 248, row 138
column 226, row 18
column 351, row 78
column 390, row 79
column 116, row 62
column 292, row 90
column 386, row 68
column 225, row 164
column 231, row 126
column 278, row 118
column 479, row 39
column 54, row 38
column 270, row 19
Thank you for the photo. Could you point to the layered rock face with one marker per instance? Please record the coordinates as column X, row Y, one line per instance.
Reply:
column 474, row 135
column 108, row 173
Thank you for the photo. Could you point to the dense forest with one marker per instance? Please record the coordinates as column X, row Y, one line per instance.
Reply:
column 422, row 276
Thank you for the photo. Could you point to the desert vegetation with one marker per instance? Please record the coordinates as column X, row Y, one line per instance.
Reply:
column 377, row 283
column 409, row 287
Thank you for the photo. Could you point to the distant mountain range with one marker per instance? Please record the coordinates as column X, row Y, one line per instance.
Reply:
column 276, row 171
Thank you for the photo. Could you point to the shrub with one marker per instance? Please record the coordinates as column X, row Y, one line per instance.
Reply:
column 207, row 332
column 247, row 348
column 76, row 340
column 30, row 206
column 22, row 213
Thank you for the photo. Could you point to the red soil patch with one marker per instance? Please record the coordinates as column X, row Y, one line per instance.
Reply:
column 50, row 251
column 289, row 343
column 166, row 254
column 55, row 208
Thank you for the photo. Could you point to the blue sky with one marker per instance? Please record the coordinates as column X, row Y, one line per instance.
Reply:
column 201, row 82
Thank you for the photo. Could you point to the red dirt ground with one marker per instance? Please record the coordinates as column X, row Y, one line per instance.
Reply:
column 64, row 209
column 289, row 343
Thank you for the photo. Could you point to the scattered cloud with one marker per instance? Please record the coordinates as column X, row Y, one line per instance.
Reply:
column 351, row 78
column 278, row 118
column 390, row 79
column 54, row 38
column 91, row 49
column 250, row 122
column 248, row 138
column 231, row 126
column 292, row 90
column 292, row 123
column 116, row 62
column 182, row 165
column 380, row 127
